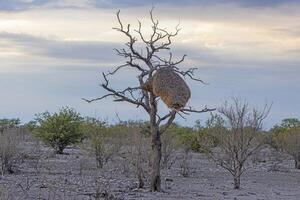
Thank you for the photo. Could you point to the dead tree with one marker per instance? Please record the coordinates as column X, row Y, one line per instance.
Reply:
column 240, row 139
column 142, row 55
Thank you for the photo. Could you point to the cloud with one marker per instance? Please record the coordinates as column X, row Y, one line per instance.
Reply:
column 134, row 3
column 92, row 51
column 217, row 31
column 53, row 57
column 17, row 5
column 288, row 31
column 101, row 53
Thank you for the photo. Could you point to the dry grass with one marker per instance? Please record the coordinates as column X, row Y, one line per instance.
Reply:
column 9, row 141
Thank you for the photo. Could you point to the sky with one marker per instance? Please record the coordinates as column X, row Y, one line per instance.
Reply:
column 52, row 53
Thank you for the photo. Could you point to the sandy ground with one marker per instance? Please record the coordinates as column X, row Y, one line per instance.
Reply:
column 40, row 174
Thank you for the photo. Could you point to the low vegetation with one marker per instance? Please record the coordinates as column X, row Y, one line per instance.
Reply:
column 102, row 141
column 286, row 137
column 230, row 137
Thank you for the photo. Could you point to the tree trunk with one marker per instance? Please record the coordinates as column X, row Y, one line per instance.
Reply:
column 140, row 177
column 164, row 157
column 139, row 168
column 59, row 151
column 237, row 182
column 184, row 164
column 297, row 162
column 99, row 162
column 237, row 177
column 6, row 167
column 156, row 158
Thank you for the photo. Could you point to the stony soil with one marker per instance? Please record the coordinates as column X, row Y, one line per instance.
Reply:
column 40, row 174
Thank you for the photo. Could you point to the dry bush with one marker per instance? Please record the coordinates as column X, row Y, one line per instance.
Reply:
column 4, row 194
column 9, row 151
column 185, row 166
column 103, row 142
column 178, row 138
column 170, row 87
column 36, row 157
column 286, row 137
column 137, row 153
column 240, row 140
column 169, row 147
column 289, row 142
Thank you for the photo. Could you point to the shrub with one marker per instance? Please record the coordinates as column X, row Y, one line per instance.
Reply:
column 168, row 148
column 104, row 142
column 286, row 137
column 60, row 129
column 138, row 151
column 184, row 138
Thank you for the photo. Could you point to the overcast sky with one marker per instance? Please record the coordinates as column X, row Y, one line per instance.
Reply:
column 52, row 53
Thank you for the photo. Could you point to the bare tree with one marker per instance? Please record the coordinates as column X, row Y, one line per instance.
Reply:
column 143, row 56
column 240, row 139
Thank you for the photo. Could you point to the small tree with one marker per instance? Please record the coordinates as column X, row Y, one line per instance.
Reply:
column 240, row 139
column 286, row 137
column 60, row 129
column 144, row 55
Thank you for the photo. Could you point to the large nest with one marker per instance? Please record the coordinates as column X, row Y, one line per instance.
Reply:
column 170, row 87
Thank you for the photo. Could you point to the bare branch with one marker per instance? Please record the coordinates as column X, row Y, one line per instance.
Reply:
column 187, row 110
column 189, row 73
column 96, row 99
column 171, row 117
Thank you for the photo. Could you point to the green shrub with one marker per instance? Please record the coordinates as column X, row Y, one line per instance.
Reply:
column 60, row 129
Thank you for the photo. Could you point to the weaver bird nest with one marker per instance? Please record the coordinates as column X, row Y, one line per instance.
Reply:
column 170, row 87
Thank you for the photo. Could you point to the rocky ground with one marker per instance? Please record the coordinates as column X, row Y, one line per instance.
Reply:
column 40, row 174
